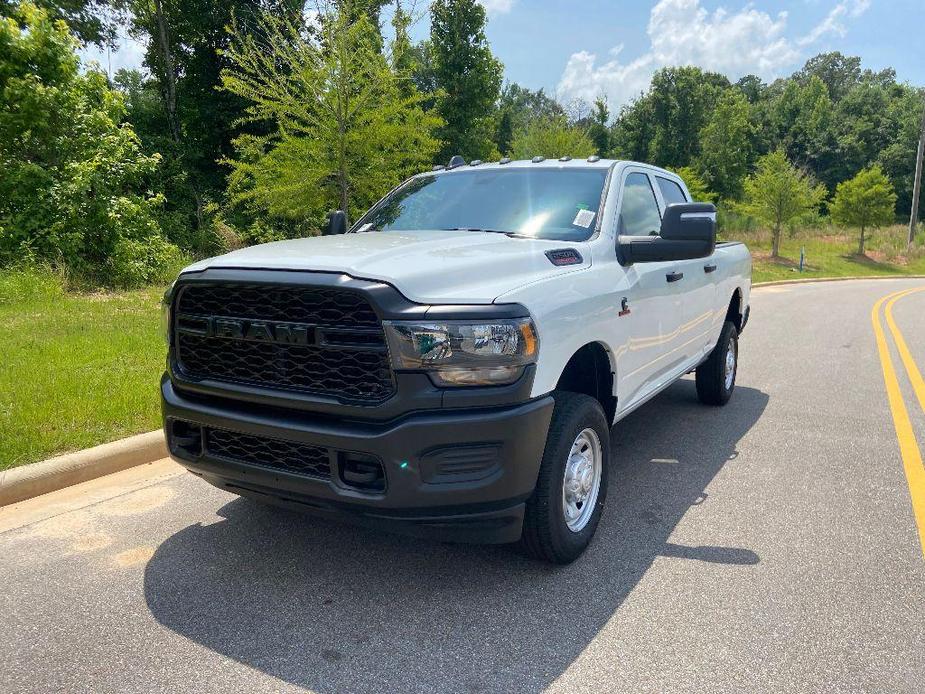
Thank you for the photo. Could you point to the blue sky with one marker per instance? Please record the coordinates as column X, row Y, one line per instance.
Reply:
column 583, row 48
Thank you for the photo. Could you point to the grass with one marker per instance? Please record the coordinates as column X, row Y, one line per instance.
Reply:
column 78, row 369
column 832, row 252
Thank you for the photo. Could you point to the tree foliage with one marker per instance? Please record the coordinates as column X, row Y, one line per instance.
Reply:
column 551, row 138
column 778, row 193
column 74, row 184
column 865, row 202
column 342, row 133
column 91, row 21
column 598, row 127
column 696, row 185
column 725, row 144
column 467, row 76
column 832, row 118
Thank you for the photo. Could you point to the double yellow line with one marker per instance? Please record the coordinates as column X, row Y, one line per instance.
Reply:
column 908, row 446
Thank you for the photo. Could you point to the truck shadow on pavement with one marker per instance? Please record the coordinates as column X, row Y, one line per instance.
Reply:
column 336, row 608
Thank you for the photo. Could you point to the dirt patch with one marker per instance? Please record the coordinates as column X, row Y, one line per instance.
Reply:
column 142, row 501
column 134, row 556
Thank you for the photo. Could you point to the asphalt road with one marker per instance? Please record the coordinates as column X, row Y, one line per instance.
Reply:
column 766, row 546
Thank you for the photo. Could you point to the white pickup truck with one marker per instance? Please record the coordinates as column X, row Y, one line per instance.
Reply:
column 452, row 364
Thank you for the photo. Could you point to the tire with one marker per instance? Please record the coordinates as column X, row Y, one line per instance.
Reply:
column 714, row 382
column 547, row 534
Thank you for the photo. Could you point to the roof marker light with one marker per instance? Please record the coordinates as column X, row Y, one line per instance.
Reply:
column 505, row 160
column 475, row 162
column 438, row 167
column 565, row 158
column 457, row 160
column 594, row 158
column 538, row 159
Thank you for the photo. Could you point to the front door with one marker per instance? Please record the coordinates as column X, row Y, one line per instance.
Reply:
column 652, row 329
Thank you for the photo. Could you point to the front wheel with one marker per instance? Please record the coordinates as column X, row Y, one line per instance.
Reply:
column 565, row 508
column 716, row 377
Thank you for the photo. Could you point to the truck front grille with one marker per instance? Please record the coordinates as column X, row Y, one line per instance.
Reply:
column 288, row 456
column 311, row 339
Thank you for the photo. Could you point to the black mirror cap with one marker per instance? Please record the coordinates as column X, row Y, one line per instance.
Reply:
column 653, row 249
column 337, row 224
column 689, row 221
column 688, row 232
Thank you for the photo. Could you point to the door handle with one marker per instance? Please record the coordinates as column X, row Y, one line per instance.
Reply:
column 709, row 268
column 674, row 276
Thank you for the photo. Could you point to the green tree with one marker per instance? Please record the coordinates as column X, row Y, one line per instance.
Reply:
column 185, row 44
column 778, row 193
column 682, row 99
column 599, row 128
column 525, row 104
column 802, row 122
column 342, row 135
column 403, row 62
column 552, row 138
column 468, row 77
column 725, row 143
column 838, row 72
column 504, row 137
column 866, row 201
column 74, row 184
column 91, row 21
column 696, row 185
column 634, row 129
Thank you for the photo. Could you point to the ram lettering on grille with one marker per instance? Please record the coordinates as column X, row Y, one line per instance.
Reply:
column 310, row 339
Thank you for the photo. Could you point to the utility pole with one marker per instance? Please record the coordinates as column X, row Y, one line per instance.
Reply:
column 917, row 185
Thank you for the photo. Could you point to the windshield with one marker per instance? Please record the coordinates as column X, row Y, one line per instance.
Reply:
column 559, row 204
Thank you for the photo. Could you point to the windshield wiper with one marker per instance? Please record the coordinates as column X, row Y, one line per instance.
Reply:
column 487, row 231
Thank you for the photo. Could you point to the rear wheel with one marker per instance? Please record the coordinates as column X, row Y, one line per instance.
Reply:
column 716, row 377
column 565, row 508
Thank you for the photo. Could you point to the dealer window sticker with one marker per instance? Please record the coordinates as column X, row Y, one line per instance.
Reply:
column 584, row 218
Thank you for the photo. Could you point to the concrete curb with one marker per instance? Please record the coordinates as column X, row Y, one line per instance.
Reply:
column 20, row 483
column 807, row 280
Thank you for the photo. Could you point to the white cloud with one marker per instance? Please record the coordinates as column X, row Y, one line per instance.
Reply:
column 834, row 21
column 497, row 6
column 681, row 32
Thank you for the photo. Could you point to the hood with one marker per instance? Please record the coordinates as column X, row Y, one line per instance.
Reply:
column 426, row 266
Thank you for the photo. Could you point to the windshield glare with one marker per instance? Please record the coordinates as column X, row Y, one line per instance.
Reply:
column 560, row 204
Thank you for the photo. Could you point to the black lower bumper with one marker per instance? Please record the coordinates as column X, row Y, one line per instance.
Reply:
column 460, row 475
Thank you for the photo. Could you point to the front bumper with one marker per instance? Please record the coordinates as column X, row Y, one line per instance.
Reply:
column 461, row 475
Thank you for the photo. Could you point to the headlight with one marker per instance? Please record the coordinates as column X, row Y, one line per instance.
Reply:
column 165, row 312
column 462, row 353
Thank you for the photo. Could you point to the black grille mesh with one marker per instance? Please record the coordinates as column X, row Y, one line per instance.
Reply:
column 289, row 456
column 315, row 305
column 341, row 370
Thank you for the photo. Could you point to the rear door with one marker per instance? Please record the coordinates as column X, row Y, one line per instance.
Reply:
column 694, row 284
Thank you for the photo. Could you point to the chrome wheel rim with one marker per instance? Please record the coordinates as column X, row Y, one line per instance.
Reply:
column 730, row 364
column 582, row 480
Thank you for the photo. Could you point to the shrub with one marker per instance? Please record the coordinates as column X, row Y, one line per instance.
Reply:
column 74, row 183
column 137, row 262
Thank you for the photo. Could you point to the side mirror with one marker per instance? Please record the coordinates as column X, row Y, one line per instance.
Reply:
column 337, row 224
column 688, row 231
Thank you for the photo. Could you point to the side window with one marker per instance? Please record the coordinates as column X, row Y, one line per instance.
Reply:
column 639, row 215
column 671, row 191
